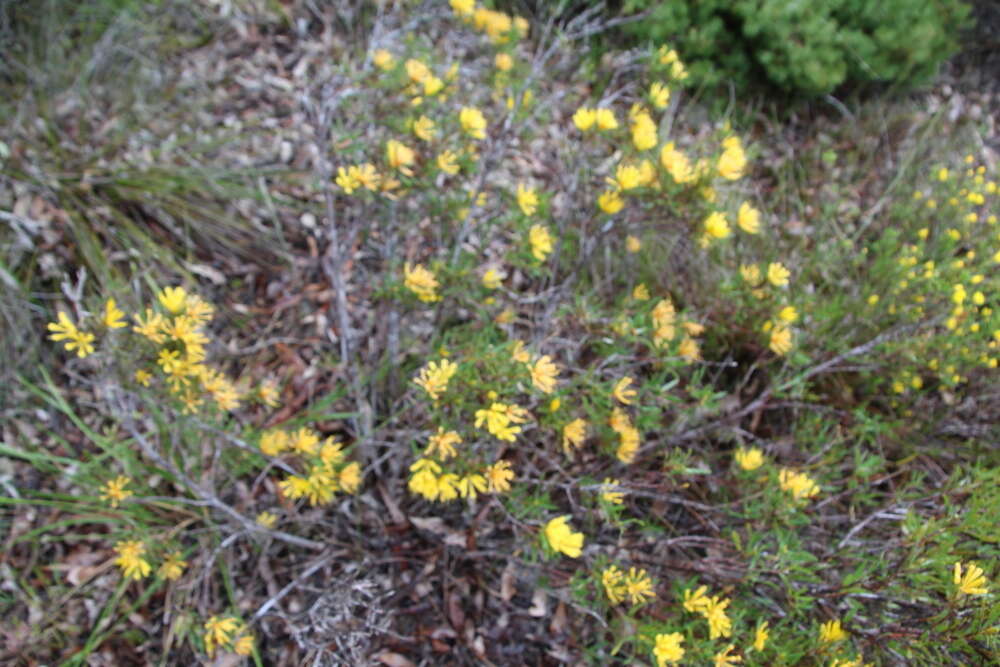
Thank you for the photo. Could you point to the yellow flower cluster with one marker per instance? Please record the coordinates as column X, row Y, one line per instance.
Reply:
column 541, row 242
column 799, row 484
column 421, row 282
column 114, row 490
column 358, row 176
column 501, row 419
column 434, row 377
column 628, row 435
column 561, row 537
column 82, row 341
column 713, row 609
column 227, row 631
column 972, row 582
column 636, row 586
column 667, row 649
column 429, row 480
column 131, row 559
column 327, row 470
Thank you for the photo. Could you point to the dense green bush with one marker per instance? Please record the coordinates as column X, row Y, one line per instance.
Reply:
column 805, row 48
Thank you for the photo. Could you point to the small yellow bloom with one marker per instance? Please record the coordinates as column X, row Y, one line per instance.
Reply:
column 64, row 329
column 424, row 128
column 434, row 377
column 777, row 274
column 573, row 434
column 644, row 132
column 638, row 586
column 143, row 377
column 668, row 649
column 608, row 492
column 614, row 585
column 503, row 62
column 831, row 632
column 561, row 537
column 113, row 316
column 628, row 445
column 243, row 645
column 267, row 520
column 350, row 477
column 696, row 601
column 527, row 199
column 173, row 566
column 218, row 631
column 725, row 658
column 584, row 118
column 749, row 459
column 973, row 582
column 421, row 282
column 677, row 164
column 605, row 119
column 716, row 225
column 622, row 392
column 610, row 202
column 498, row 476
column 760, row 637
column 659, row 95
column 788, row 314
column 473, row 122
column 719, row 624
column 400, row 156
column 173, row 299
column 114, row 491
column 640, row 293
column 447, row 162
column 492, row 278
column 541, row 242
column 463, row 8
column 798, row 484
column 633, row 244
column 543, row 374
column 748, row 218
column 780, row 341
column 383, row 59
column 689, row 349
column 130, row 559
column 733, row 160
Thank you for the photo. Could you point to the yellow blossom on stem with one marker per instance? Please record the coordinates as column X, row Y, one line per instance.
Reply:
column 696, row 601
column 503, row 62
column 677, row 164
column 527, row 199
column 541, row 242
column 781, row 340
column 719, row 624
column 350, row 477
column 421, row 282
column 608, row 493
column 777, row 274
column 561, row 537
column 442, row 444
column 644, row 135
column 473, row 122
column 64, row 329
column 130, row 559
column 423, row 128
column 716, row 225
column 638, row 586
column 383, row 59
column 831, row 632
column 798, row 484
column 218, row 631
column 668, row 649
column 113, row 316
column 659, row 95
column 760, row 637
column 748, row 218
column 584, row 118
column 400, row 156
column 492, row 278
column 434, row 377
column 972, row 582
column 173, row 299
column 610, row 202
column 447, row 162
column 724, row 658
column 733, row 160
column 640, row 293
column 573, row 435
column 114, row 490
column 749, row 459
column 622, row 392
column 605, row 119
column 173, row 566
column 628, row 445
column 633, row 244
column 543, row 374
column 498, row 476
column 613, row 581
column 267, row 520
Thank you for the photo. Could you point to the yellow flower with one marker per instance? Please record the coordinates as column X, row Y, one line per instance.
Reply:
column 114, row 491
column 614, row 585
column 633, row 244
column 760, row 637
column 733, row 160
column 619, row 420
column 543, row 374
column 696, row 601
column 503, row 62
column 400, row 156
column 143, row 377
column 724, row 658
column 541, row 242
column 628, row 446
column 750, row 274
column 421, row 282
column 442, row 444
column 584, row 118
column 498, row 418
column 218, row 631
column 788, row 314
column 554, row 405
column 173, row 299
column 267, row 520
column 350, row 477
column 716, row 225
column 668, row 649
column 498, row 476
column 561, row 537
column 274, row 442
column 798, row 484
column 622, row 392
column 463, row 8
column 605, row 119
column 749, row 459
column 383, row 59
column 638, row 586
column 689, row 349
column 151, row 328
column 748, row 218
column 473, row 122
column 973, row 582
column 573, row 434
column 424, row 128
column 492, row 278
column 777, row 274
column 608, row 493
column 527, row 199
column 173, row 566
column 677, row 164
column 781, row 340
column 130, row 559
column 434, row 377
column 659, row 95
column 640, row 293
column 643, row 132
column 610, row 202
column 113, row 316
column 424, row 483
column 64, row 329
column 471, row 485
column 304, row 441
column 417, row 71
column 831, row 632
column 519, row 353
column 627, row 177
column 243, row 645
column 719, row 624
column 447, row 162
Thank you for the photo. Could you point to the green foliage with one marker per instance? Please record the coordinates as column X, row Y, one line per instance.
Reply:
column 805, row 48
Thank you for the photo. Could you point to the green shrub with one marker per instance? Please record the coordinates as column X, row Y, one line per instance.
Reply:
column 805, row 48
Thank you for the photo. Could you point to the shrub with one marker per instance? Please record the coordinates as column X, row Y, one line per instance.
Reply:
column 805, row 48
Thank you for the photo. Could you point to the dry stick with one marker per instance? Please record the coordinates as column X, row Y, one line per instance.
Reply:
column 275, row 599
column 128, row 423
